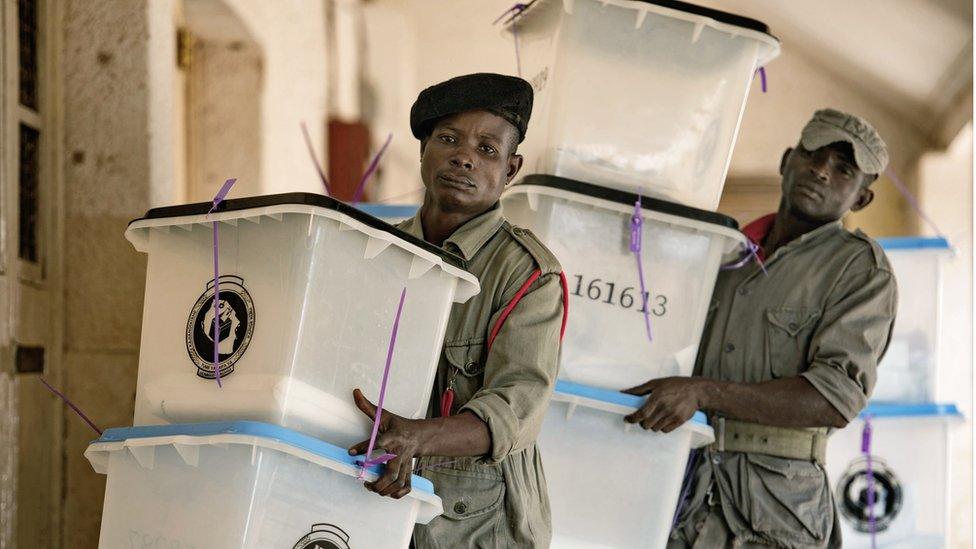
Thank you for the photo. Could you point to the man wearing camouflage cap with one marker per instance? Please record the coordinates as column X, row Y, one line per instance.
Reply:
column 787, row 355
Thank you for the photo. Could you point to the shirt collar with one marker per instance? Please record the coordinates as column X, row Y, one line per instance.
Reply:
column 468, row 238
column 757, row 230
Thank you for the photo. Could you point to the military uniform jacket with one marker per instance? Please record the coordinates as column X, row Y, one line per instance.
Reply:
column 500, row 499
column 825, row 312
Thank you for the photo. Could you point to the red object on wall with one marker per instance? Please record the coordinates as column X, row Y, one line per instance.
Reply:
column 348, row 158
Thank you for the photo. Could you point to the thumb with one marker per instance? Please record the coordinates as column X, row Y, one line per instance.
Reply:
column 363, row 403
column 643, row 388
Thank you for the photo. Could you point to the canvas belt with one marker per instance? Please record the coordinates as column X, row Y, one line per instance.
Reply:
column 784, row 442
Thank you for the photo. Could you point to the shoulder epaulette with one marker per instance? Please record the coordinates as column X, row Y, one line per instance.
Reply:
column 877, row 253
column 547, row 262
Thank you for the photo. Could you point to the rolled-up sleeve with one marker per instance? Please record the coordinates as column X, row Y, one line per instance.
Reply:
column 521, row 369
column 852, row 337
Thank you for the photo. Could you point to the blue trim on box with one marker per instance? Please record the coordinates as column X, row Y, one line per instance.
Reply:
column 900, row 409
column 610, row 396
column 385, row 211
column 251, row 428
column 914, row 243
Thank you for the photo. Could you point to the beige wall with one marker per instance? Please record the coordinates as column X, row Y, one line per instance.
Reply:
column 403, row 55
column 106, row 179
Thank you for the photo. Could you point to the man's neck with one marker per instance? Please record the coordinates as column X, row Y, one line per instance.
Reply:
column 439, row 225
column 786, row 228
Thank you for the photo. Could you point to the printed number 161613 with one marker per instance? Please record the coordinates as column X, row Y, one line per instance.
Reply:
column 606, row 292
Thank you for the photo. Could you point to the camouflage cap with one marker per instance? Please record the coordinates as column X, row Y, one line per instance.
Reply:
column 830, row 126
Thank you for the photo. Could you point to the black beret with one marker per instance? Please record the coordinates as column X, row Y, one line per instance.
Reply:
column 507, row 96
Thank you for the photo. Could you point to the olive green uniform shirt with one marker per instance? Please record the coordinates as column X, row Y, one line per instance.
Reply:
column 500, row 499
column 825, row 312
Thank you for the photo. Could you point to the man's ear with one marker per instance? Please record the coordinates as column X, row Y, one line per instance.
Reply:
column 423, row 145
column 864, row 197
column 514, row 165
column 782, row 161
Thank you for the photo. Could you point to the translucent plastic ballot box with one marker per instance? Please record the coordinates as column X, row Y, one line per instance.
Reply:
column 909, row 370
column 612, row 484
column 309, row 292
column 638, row 93
column 236, row 485
column 391, row 213
column 588, row 228
column 911, row 471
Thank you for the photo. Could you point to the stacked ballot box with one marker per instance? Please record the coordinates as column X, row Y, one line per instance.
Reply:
column 908, row 373
column 910, row 432
column 637, row 107
column 589, row 229
column 244, row 406
column 611, row 484
column 311, row 289
column 638, row 95
column 241, row 484
column 909, row 476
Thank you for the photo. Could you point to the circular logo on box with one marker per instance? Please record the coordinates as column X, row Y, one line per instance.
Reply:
column 231, row 333
column 852, row 492
column 324, row 536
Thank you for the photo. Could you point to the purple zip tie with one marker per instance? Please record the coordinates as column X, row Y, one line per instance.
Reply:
column 217, row 199
column 685, row 486
column 315, row 160
column 752, row 253
column 72, row 406
column 369, row 171
column 369, row 462
column 912, row 201
column 636, row 230
column 514, row 11
column 762, row 78
column 866, row 449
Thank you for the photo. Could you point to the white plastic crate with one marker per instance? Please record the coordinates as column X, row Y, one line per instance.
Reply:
column 312, row 287
column 612, row 484
column 909, row 448
column 588, row 228
column 239, row 485
column 909, row 370
column 635, row 94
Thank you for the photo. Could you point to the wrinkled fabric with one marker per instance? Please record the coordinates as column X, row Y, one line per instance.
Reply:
column 824, row 312
column 500, row 499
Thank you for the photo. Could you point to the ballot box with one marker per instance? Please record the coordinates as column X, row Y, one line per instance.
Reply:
column 589, row 228
column 309, row 293
column 230, row 485
column 638, row 94
column 612, row 484
column 910, row 469
column 909, row 370
column 391, row 213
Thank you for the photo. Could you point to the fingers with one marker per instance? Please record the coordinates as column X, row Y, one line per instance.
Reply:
column 643, row 388
column 672, row 425
column 655, row 421
column 394, row 479
column 363, row 403
column 405, row 475
column 643, row 412
column 359, row 449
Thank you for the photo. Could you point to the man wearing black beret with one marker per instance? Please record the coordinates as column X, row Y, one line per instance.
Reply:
column 499, row 363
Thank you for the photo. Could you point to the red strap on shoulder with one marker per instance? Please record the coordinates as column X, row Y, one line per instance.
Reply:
column 518, row 297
